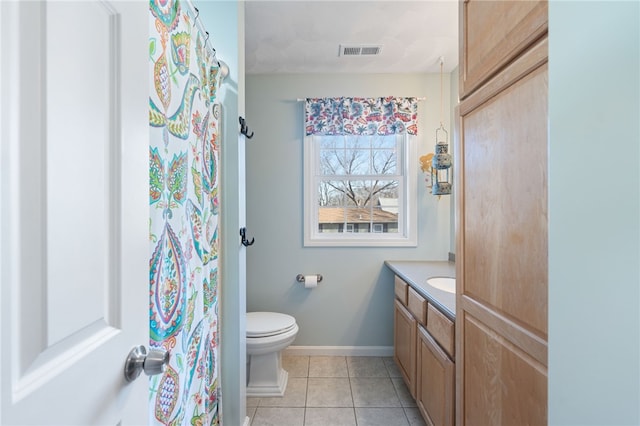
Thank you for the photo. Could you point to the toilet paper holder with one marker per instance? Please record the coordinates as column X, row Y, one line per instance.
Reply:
column 300, row 278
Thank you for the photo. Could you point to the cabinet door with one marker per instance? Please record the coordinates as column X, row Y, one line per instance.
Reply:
column 404, row 345
column 493, row 33
column 434, row 382
column 502, row 274
column 505, row 201
column 503, row 384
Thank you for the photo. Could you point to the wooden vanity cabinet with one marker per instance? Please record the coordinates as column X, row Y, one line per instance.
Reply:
column 435, row 382
column 404, row 345
column 424, row 350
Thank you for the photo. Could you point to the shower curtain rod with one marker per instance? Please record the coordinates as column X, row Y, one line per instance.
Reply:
column 304, row 99
column 224, row 68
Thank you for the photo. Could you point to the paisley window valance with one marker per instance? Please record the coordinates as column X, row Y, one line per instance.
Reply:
column 361, row 116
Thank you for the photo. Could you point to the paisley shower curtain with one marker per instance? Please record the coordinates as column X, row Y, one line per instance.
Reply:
column 183, row 224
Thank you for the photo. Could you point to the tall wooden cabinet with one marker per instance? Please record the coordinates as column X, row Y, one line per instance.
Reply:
column 501, row 165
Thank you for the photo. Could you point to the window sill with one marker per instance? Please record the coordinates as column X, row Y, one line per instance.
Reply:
column 360, row 242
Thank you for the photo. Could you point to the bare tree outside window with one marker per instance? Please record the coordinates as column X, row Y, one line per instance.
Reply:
column 358, row 182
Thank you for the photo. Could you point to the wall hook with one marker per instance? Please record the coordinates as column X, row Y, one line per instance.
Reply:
column 245, row 242
column 244, row 129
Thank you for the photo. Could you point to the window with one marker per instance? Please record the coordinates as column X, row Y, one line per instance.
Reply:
column 357, row 190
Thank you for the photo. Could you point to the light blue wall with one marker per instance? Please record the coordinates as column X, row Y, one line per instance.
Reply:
column 594, row 214
column 353, row 305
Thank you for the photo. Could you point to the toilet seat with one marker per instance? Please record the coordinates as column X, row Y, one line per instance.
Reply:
column 265, row 324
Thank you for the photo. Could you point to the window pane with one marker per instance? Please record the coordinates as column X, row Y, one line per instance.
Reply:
column 356, row 193
column 331, row 142
column 357, row 161
column 332, row 162
column 330, row 219
column 331, row 193
column 384, row 189
column 358, row 142
column 385, row 155
column 388, row 141
column 384, row 162
column 385, row 213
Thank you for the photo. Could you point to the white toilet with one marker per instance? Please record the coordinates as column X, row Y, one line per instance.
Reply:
column 268, row 333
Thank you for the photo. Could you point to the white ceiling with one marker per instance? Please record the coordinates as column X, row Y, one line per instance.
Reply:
column 304, row 36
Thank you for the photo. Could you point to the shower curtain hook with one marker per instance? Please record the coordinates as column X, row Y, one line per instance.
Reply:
column 206, row 39
column 197, row 14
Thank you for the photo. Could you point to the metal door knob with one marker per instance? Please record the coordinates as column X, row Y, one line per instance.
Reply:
column 139, row 360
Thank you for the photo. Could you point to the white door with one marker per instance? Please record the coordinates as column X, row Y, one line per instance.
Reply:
column 74, row 217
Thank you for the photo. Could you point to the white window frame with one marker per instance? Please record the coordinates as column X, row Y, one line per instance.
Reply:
column 407, row 235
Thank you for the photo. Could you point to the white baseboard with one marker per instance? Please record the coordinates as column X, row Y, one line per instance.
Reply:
column 339, row 350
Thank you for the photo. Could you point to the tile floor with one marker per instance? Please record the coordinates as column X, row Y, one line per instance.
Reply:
column 338, row 391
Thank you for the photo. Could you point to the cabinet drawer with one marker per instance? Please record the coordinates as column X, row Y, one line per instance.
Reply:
column 401, row 290
column 442, row 329
column 417, row 306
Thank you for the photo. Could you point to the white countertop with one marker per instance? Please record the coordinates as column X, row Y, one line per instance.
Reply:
column 416, row 274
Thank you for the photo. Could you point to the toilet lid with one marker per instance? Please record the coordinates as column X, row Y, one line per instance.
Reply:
column 263, row 324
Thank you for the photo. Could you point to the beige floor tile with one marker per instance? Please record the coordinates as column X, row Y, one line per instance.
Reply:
column 366, row 366
column 381, row 417
column 295, row 395
column 392, row 367
column 414, row 416
column 329, row 392
column 328, row 395
column 253, row 402
column 403, row 392
column 251, row 412
column 278, row 416
column 329, row 417
column 296, row 366
column 328, row 366
column 374, row 392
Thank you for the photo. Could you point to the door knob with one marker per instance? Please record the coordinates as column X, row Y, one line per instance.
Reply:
column 151, row 362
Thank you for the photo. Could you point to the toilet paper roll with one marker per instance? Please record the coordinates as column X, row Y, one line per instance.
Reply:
column 310, row 281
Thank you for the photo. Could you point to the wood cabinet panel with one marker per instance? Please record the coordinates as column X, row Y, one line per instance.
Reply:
column 404, row 345
column 505, row 201
column 435, row 380
column 501, row 214
column 400, row 290
column 503, row 385
column 442, row 329
column 417, row 306
column 493, row 33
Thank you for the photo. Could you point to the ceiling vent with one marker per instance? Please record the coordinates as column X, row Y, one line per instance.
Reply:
column 360, row 50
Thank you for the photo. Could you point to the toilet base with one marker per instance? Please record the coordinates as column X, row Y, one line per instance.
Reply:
column 266, row 375
column 273, row 390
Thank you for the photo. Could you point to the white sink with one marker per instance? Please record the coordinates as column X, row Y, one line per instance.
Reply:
column 443, row 283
